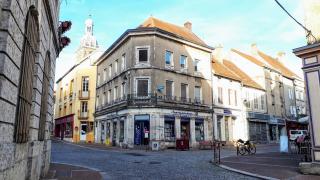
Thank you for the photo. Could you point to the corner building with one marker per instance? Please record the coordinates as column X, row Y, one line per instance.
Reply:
column 154, row 84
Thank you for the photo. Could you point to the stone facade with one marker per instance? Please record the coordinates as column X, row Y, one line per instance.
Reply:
column 30, row 159
column 162, row 114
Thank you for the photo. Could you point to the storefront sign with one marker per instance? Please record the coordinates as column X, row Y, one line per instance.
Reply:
column 144, row 117
column 183, row 114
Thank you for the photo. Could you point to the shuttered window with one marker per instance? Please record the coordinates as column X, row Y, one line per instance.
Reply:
column 169, row 88
column 184, row 91
column 197, row 93
column 142, row 87
column 44, row 98
column 24, row 102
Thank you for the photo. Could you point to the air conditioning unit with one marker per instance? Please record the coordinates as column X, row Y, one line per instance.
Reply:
column 155, row 146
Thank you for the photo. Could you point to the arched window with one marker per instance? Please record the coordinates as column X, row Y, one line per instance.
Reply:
column 24, row 103
column 44, row 97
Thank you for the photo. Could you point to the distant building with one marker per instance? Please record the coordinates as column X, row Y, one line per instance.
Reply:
column 281, row 86
column 155, row 86
column 75, row 93
column 239, row 102
column 29, row 46
column 226, row 102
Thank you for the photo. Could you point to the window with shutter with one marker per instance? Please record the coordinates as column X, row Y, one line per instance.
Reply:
column 142, row 87
column 169, row 93
column 44, row 98
column 24, row 102
column 184, row 91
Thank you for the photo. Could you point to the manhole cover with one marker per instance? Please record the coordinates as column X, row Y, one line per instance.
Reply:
column 154, row 162
column 135, row 154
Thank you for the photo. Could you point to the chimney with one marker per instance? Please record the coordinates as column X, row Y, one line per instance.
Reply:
column 281, row 56
column 188, row 25
column 254, row 49
column 218, row 53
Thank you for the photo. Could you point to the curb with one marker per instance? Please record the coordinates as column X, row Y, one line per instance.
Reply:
column 246, row 173
column 102, row 173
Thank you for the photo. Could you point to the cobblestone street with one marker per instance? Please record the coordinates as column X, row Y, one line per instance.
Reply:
column 139, row 164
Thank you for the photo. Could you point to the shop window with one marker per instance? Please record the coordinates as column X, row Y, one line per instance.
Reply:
column 169, row 134
column 121, row 138
column 199, row 130
column 90, row 127
column 68, row 130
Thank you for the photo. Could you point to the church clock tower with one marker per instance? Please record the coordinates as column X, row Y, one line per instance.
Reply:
column 88, row 42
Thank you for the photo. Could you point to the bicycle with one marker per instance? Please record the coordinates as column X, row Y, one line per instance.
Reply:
column 244, row 147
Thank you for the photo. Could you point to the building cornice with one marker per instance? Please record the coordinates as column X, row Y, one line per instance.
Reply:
column 146, row 32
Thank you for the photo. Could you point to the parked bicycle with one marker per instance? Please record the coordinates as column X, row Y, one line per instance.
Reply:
column 245, row 147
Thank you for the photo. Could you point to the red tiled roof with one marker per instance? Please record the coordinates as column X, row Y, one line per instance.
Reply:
column 177, row 30
column 246, row 80
column 277, row 65
column 221, row 70
column 248, row 57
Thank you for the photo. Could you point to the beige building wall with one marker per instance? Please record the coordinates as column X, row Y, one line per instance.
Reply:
column 68, row 101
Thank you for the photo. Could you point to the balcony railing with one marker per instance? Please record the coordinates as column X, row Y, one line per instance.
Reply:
column 83, row 115
column 153, row 99
column 84, row 95
column 70, row 96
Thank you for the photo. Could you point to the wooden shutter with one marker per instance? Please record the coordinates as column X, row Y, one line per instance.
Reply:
column 44, row 98
column 24, row 102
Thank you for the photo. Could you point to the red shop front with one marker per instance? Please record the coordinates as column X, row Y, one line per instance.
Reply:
column 64, row 126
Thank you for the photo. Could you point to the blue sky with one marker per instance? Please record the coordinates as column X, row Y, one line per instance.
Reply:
column 231, row 23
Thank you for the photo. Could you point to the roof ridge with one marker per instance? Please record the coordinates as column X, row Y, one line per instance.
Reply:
column 281, row 68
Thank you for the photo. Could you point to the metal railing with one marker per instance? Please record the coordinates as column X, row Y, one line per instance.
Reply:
column 84, row 95
column 83, row 115
column 152, row 99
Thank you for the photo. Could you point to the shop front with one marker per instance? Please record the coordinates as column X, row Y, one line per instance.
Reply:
column 277, row 127
column 228, row 126
column 64, row 127
column 258, row 127
column 131, row 128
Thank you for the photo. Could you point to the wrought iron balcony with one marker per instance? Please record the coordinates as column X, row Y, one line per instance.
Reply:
column 84, row 95
column 154, row 100
column 83, row 115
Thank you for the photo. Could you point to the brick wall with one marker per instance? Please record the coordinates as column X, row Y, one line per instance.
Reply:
column 25, row 160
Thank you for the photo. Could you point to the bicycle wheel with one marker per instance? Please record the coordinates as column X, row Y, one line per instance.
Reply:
column 242, row 150
column 252, row 149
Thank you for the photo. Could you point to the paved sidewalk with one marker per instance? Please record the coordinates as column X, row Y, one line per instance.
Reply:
column 273, row 165
column 70, row 172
